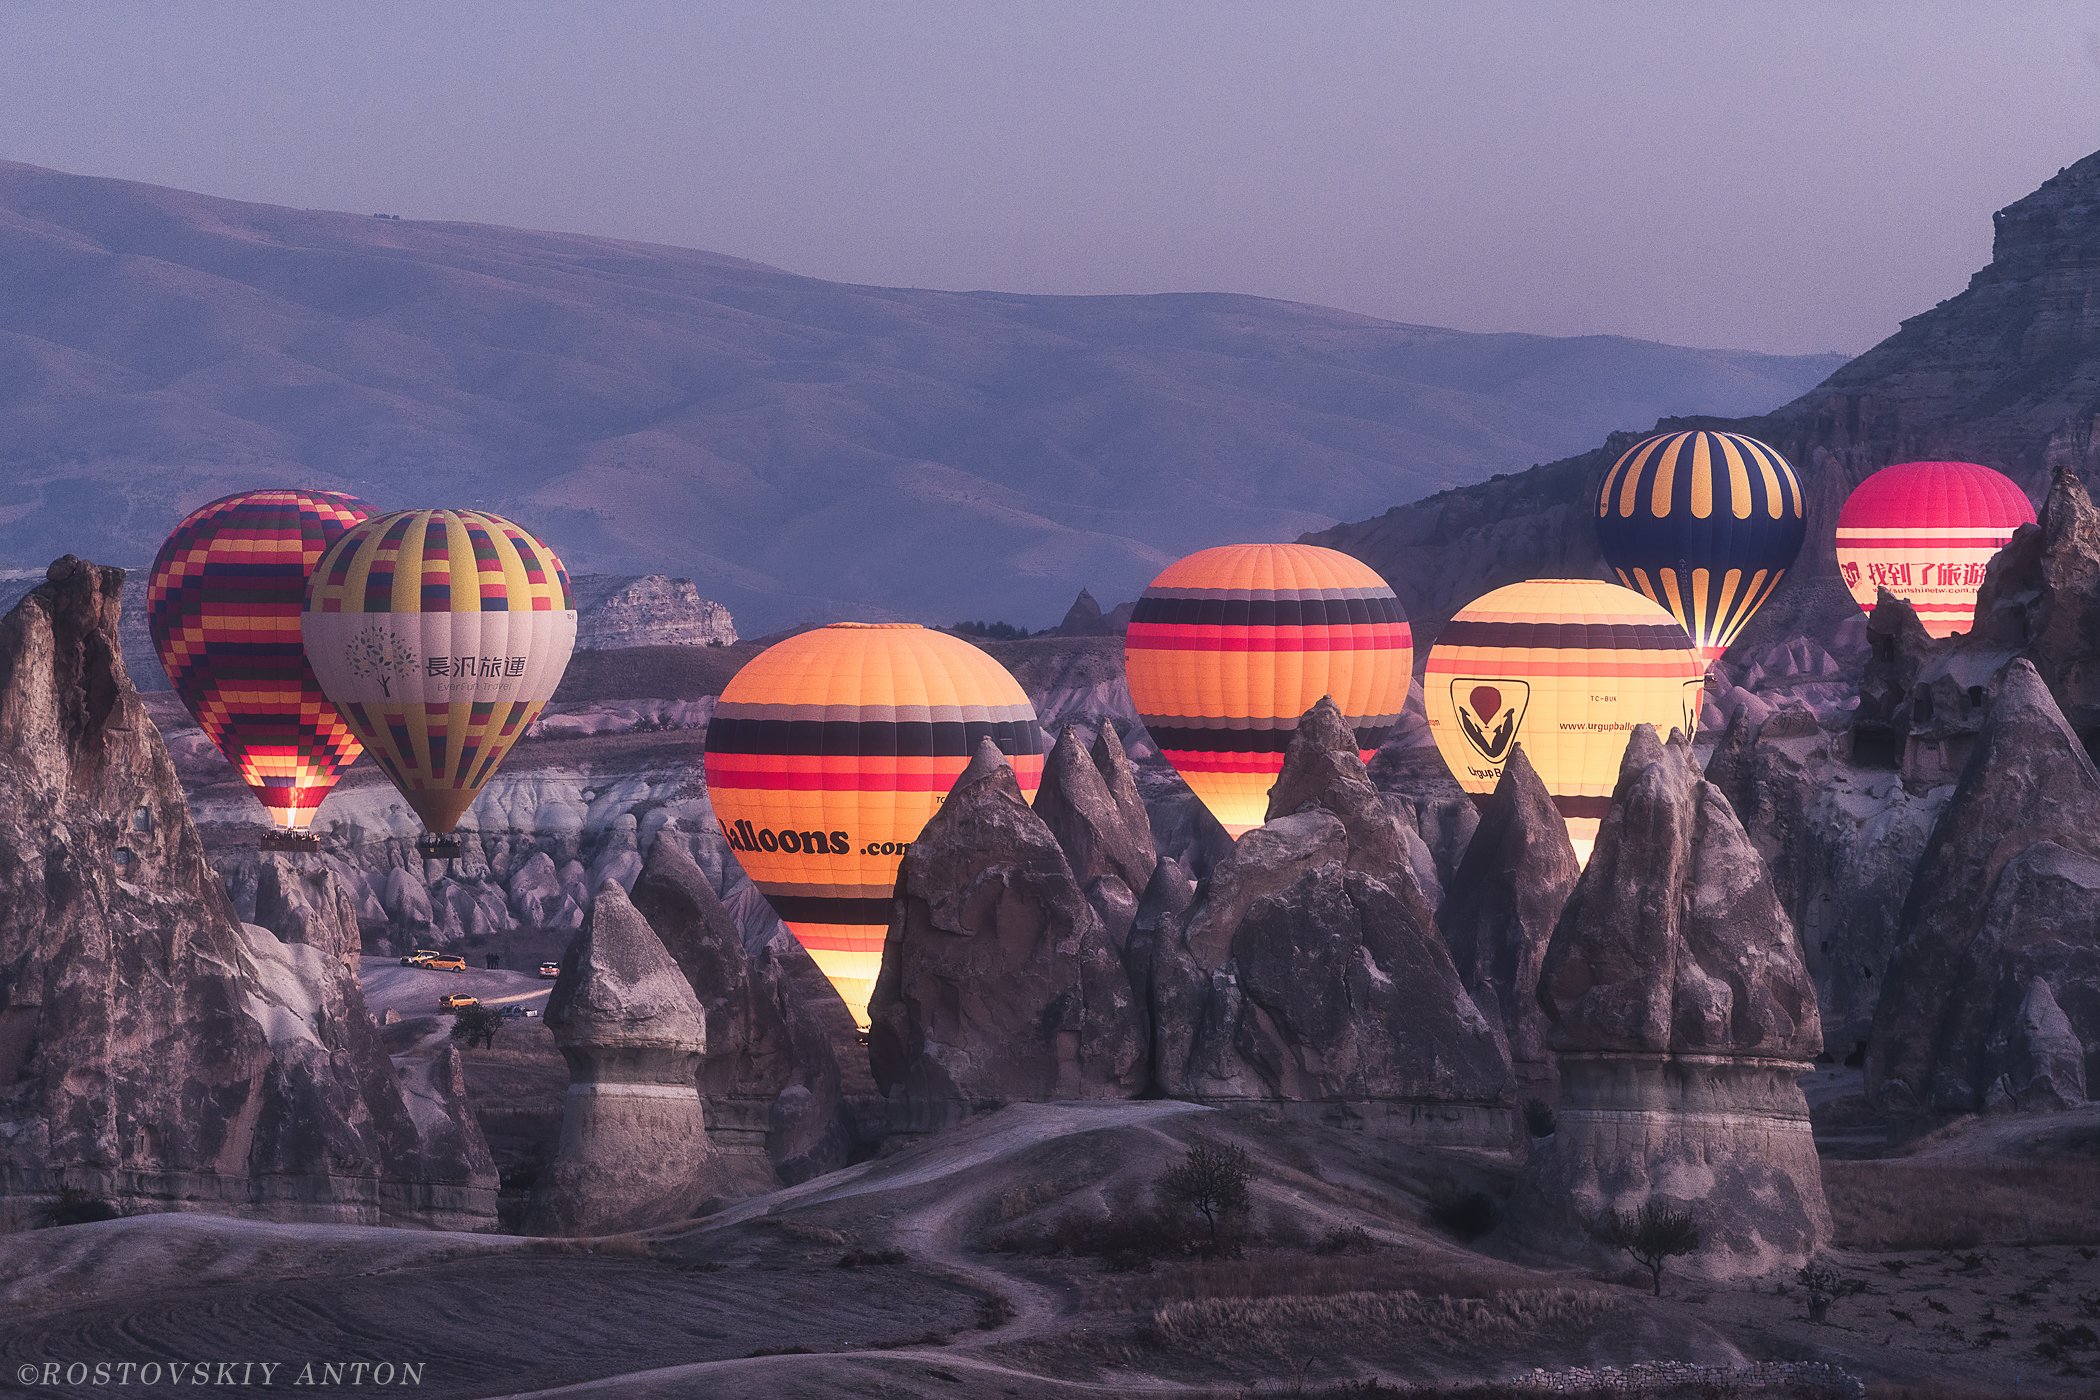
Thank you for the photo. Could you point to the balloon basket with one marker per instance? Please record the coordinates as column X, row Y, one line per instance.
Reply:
column 278, row 839
column 432, row 846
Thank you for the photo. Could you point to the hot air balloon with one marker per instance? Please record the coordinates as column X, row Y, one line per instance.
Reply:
column 1925, row 531
column 1567, row 668
column 440, row 635
column 1705, row 524
column 223, row 605
column 1229, row 646
column 826, row 755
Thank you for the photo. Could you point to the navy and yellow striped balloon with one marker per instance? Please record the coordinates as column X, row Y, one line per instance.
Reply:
column 1704, row 523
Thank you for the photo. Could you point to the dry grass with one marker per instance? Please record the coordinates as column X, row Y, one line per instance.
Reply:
column 1295, row 1273
column 1926, row 1204
column 1279, row 1326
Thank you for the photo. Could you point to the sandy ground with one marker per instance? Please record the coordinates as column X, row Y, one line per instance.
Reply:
column 755, row 1300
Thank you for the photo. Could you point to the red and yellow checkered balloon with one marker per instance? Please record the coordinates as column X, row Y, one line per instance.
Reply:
column 223, row 605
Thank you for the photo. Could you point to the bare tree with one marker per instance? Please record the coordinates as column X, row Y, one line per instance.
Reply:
column 1656, row 1234
column 1212, row 1181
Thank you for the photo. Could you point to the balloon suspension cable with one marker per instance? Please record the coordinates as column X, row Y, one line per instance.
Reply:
column 433, row 845
column 279, row 839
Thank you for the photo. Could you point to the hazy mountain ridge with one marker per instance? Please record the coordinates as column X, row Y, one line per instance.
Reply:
column 799, row 447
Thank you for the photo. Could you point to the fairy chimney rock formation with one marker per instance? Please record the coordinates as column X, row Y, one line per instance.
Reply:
column 1992, row 999
column 1090, row 803
column 1310, row 970
column 1682, row 1017
column 1323, row 771
column 1500, row 909
column 763, row 1042
column 154, row 1051
column 999, row 982
column 634, row 1149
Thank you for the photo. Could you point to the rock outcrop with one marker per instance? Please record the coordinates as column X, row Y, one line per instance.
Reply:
column 301, row 898
column 634, row 1150
column 1996, row 976
column 154, row 1051
column 1091, row 804
column 1682, row 1016
column 1309, row 970
column 651, row 611
column 1499, row 914
column 999, row 981
column 770, row 1075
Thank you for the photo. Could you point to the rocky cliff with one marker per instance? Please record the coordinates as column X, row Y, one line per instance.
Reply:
column 654, row 610
column 1993, row 993
column 154, row 1050
column 2006, row 372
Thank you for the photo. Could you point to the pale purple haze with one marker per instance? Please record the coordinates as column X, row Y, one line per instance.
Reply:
column 1779, row 176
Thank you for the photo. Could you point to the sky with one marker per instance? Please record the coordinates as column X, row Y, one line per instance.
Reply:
column 1776, row 176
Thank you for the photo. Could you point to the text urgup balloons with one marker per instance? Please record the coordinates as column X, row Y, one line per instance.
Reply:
column 1230, row 646
column 440, row 635
column 1704, row 524
column 1925, row 531
column 1567, row 668
column 826, row 755
column 223, row 604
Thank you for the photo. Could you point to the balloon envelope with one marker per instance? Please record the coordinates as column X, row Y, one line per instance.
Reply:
column 1567, row 668
column 440, row 635
column 1926, row 531
column 223, row 604
column 1705, row 524
column 826, row 755
column 1230, row 646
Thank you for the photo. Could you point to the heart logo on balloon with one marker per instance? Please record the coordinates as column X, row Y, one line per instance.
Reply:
column 1490, row 713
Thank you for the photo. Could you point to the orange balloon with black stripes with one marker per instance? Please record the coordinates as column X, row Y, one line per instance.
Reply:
column 1230, row 646
column 826, row 755
column 1705, row 524
column 440, row 635
column 1567, row 668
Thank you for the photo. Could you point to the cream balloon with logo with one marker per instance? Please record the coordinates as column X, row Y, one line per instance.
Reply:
column 1567, row 668
column 439, row 635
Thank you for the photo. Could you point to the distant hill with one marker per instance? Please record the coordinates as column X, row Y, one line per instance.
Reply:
column 800, row 448
column 2006, row 373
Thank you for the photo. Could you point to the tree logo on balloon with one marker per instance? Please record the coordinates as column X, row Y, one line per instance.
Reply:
column 1490, row 712
column 380, row 654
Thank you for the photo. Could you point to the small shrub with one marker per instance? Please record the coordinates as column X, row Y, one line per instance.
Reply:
column 477, row 1025
column 1656, row 1234
column 994, row 1312
column 1824, row 1286
column 1538, row 1118
column 77, row 1207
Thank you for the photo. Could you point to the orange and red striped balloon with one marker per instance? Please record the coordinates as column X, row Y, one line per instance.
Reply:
column 1567, row 668
column 1925, row 531
column 1230, row 646
column 223, row 605
column 826, row 755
